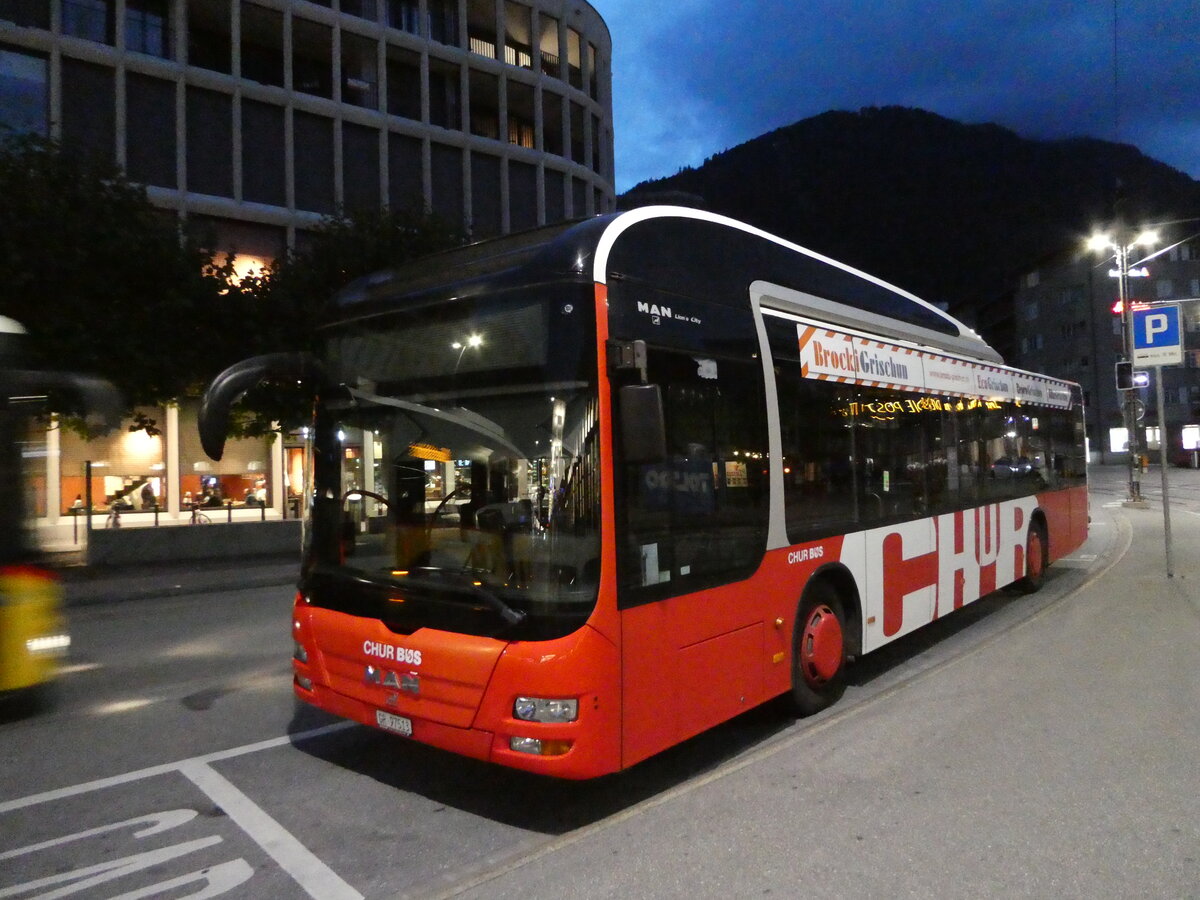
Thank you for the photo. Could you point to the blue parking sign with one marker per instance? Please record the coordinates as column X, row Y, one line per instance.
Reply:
column 1158, row 336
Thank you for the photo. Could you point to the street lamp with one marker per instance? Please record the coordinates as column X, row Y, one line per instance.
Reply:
column 1120, row 247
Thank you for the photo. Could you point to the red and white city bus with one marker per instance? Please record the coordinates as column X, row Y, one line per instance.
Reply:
column 579, row 494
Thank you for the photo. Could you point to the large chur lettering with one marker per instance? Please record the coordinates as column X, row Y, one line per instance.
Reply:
column 958, row 565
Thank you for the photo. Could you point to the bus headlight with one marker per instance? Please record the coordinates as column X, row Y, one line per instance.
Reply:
column 299, row 653
column 49, row 645
column 537, row 709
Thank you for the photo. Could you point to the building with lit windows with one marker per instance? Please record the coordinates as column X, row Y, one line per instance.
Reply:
column 1066, row 326
column 261, row 116
column 256, row 118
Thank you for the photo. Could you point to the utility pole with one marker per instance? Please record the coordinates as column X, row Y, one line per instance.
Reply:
column 1129, row 399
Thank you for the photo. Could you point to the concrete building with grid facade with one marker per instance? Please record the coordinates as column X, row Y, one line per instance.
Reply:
column 258, row 117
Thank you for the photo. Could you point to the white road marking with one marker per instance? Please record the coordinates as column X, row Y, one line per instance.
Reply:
column 321, row 882
column 166, row 768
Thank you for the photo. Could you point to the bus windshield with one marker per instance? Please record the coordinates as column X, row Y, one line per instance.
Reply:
column 455, row 467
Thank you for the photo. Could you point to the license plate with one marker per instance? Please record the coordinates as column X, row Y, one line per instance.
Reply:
column 395, row 724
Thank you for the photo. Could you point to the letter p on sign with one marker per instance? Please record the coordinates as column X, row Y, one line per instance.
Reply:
column 1156, row 323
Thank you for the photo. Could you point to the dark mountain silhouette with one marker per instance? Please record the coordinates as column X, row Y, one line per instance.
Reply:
column 954, row 213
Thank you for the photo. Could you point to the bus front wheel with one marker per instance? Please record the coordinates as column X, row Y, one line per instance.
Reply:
column 818, row 650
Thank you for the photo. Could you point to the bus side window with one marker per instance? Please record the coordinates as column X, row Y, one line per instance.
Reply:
column 699, row 517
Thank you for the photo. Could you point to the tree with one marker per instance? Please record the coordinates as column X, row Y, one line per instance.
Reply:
column 108, row 284
column 294, row 292
column 105, row 282
column 291, row 298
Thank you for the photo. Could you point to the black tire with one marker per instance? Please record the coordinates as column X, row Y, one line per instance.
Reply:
column 1037, row 558
column 818, row 650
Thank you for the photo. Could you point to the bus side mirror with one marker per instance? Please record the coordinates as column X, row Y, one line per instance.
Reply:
column 228, row 387
column 643, row 426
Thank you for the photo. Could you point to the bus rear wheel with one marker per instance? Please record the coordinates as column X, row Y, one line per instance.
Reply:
column 818, row 650
column 1036, row 559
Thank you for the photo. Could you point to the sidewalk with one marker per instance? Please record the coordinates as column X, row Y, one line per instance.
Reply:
column 89, row 585
column 1057, row 756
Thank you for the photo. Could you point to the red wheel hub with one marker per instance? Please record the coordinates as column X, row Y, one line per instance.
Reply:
column 1033, row 555
column 821, row 646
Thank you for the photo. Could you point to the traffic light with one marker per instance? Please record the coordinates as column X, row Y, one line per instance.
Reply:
column 1124, row 376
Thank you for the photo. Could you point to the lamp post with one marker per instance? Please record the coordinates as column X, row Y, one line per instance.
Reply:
column 1120, row 248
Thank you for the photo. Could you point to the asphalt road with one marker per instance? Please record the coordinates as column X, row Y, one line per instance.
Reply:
column 1028, row 746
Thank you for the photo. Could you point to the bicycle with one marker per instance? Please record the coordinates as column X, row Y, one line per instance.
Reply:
column 199, row 518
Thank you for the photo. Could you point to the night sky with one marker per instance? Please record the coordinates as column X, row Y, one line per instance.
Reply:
column 692, row 78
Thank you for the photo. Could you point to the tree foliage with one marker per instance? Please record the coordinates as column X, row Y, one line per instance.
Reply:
column 108, row 284
column 291, row 298
column 104, row 282
column 292, row 295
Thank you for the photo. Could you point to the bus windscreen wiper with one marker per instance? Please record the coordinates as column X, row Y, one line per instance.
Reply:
column 426, row 577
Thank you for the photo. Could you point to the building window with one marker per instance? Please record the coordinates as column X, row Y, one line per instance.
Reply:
column 485, row 105
column 518, row 35
column 550, row 54
column 92, row 20
column 522, row 195
column 405, row 171
column 404, row 15
column 1164, row 288
column 593, row 77
column 403, row 83
column 521, row 114
column 596, row 167
column 443, row 21
column 364, row 9
column 360, row 71
column 1195, row 287
column 314, row 163
column 209, row 40
column 445, row 96
column 312, row 58
column 263, row 176
column 552, row 123
column 29, row 13
column 577, row 141
column 360, row 167
column 147, row 27
column 556, row 207
column 262, row 45
column 574, row 59
column 481, row 27
column 446, row 173
column 150, row 137
column 209, row 142
column 23, row 94
column 1031, row 310
column 89, row 109
column 485, row 195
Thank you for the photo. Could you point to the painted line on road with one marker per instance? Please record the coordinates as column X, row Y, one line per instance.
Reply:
column 168, row 768
column 320, row 881
column 296, row 860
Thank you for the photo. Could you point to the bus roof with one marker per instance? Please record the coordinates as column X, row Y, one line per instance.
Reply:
column 679, row 249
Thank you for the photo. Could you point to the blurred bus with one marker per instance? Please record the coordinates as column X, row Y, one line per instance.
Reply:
column 33, row 633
